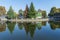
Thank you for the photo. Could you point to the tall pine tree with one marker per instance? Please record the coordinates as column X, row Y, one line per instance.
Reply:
column 32, row 13
column 10, row 13
column 26, row 12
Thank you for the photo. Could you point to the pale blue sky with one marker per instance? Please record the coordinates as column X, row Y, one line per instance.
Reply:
column 39, row 4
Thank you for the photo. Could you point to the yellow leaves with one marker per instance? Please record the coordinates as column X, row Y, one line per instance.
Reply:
column 2, row 10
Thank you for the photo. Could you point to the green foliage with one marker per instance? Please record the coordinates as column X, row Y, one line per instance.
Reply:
column 11, row 27
column 53, row 10
column 10, row 13
column 54, row 25
column 20, row 25
column 30, row 27
column 20, row 11
column 15, row 15
column 44, row 14
column 32, row 12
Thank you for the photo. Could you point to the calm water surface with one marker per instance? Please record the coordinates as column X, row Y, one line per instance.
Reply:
column 30, row 31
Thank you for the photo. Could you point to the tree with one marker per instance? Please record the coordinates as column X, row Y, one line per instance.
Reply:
column 44, row 14
column 2, row 10
column 53, row 10
column 20, row 13
column 59, row 9
column 15, row 15
column 32, row 13
column 10, row 13
column 26, row 12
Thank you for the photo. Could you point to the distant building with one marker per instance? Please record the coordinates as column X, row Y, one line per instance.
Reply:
column 50, row 17
column 39, row 14
column 56, row 16
column 3, row 17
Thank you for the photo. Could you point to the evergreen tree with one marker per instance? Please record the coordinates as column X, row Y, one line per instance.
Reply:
column 26, row 12
column 32, row 13
column 10, row 13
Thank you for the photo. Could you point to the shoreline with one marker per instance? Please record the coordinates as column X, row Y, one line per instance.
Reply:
column 27, row 20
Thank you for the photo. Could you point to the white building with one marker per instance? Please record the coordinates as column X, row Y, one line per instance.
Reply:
column 39, row 14
column 2, row 18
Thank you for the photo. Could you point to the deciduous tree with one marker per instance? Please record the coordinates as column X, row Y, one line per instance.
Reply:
column 2, row 10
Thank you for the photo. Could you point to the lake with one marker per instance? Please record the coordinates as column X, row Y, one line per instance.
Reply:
column 30, row 31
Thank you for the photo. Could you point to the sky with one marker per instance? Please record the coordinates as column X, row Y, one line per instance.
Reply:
column 38, row 4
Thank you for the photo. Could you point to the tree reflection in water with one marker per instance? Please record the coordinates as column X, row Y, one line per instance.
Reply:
column 54, row 25
column 31, row 27
column 11, row 26
column 29, row 30
column 2, row 27
column 44, row 23
column 20, row 26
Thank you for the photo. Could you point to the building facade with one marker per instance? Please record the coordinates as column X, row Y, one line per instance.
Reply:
column 39, row 14
column 3, row 17
column 56, row 16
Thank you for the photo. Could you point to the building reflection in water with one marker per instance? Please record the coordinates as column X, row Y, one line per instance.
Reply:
column 54, row 25
column 40, row 24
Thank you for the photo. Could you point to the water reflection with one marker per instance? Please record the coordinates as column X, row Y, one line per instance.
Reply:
column 54, row 25
column 20, row 26
column 2, row 27
column 32, row 31
column 11, row 26
column 44, row 23
column 31, row 27
column 28, row 26
column 38, row 25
